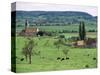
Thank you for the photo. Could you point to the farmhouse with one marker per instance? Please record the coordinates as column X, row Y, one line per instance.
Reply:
column 89, row 43
column 80, row 43
column 28, row 31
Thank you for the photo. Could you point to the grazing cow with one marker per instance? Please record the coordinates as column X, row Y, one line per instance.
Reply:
column 21, row 59
column 87, row 66
column 67, row 58
column 94, row 58
column 62, row 59
column 58, row 58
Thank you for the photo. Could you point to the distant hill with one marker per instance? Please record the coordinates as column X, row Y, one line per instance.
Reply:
column 53, row 17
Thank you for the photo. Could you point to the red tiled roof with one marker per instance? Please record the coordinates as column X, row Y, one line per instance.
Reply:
column 30, row 30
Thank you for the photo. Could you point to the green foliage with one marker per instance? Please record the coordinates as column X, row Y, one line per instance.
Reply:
column 61, row 36
column 65, row 51
column 57, row 44
column 60, row 41
column 82, row 32
column 54, row 18
column 92, row 30
column 27, row 50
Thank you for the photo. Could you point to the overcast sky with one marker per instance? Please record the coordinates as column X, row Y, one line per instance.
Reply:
column 28, row 6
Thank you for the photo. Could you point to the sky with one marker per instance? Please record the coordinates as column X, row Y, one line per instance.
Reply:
column 28, row 6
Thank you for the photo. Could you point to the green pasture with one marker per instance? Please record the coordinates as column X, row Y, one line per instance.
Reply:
column 88, row 34
column 79, row 58
column 61, row 28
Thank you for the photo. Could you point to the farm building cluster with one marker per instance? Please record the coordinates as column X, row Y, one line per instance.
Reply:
column 28, row 31
column 89, row 43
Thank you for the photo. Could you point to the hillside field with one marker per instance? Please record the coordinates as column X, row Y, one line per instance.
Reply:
column 79, row 58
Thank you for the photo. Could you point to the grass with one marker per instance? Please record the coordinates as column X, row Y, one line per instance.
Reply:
column 74, row 27
column 79, row 58
column 88, row 34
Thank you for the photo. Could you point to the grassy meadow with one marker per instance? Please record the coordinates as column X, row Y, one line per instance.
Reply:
column 53, row 40
column 79, row 58
column 71, row 27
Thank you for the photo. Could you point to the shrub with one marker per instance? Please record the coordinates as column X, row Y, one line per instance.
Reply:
column 87, row 66
column 94, row 58
column 92, row 30
column 62, row 36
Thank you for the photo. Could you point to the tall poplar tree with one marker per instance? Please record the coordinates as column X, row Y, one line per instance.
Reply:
column 82, row 32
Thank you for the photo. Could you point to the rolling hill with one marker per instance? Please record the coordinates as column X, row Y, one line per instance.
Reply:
column 53, row 17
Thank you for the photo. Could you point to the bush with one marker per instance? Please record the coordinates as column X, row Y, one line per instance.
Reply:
column 87, row 66
column 92, row 31
column 41, row 33
column 62, row 36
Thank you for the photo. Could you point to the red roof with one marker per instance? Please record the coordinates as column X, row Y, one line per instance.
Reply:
column 30, row 30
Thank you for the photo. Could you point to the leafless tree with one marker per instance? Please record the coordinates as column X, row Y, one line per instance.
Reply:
column 65, row 51
column 27, row 50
